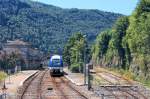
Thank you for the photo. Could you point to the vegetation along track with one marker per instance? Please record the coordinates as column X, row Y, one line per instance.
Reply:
column 129, row 91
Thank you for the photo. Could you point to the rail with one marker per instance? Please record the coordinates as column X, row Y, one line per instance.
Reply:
column 120, row 88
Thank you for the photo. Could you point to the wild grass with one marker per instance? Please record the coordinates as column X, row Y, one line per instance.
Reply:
column 2, row 75
column 129, row 75
column 124, row 73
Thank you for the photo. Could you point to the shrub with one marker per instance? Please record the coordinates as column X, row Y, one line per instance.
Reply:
column 75, row 68
column 2, row 75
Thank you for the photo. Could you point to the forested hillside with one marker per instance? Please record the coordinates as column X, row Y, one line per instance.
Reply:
column 48, row 27
column 127, row 44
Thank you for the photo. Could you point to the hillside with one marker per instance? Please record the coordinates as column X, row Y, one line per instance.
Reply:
column 48, row 27
column 127, row 45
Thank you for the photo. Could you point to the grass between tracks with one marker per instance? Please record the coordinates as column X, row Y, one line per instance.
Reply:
column 126, row 74
column 118, row 72
column 129, row 75
column 146, row 83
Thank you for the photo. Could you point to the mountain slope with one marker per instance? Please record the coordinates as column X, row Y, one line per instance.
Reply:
column 48, row 27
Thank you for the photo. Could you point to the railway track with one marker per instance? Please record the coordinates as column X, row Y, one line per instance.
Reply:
column 126, row 91
column 130, row 83
column 66, row 82
column 44, row 86
column 31, row 87
column 60, row 88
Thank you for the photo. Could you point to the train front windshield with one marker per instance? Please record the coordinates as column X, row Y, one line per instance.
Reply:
column 56, row 62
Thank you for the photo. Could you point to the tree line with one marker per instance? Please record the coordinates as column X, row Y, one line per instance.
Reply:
column 127, row 44
column 48, row 27
column 124, row 46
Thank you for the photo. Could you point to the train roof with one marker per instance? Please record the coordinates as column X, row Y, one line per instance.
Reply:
column 56, row 57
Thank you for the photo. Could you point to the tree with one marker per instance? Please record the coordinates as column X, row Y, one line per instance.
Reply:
column 101, row 46
column 73, row 53
column 129, row 44
column 138, row 38
column 109, row 48
column 9, row 61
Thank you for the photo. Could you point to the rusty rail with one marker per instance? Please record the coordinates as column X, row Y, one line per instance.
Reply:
column 58, row 87
column 129, row 82
column 28, row 82
column 123, row 78
column 67, row 83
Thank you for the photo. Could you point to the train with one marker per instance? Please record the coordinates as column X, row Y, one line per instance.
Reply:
column 56, row 65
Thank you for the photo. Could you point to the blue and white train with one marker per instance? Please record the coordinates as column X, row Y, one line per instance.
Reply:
column 56, row 65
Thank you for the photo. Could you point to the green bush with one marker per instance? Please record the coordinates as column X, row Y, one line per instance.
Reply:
column 2, row 75
column 75, row 68
column 74, row 52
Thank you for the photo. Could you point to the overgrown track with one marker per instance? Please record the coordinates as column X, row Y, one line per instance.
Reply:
column 132, row 84
column 130, row 91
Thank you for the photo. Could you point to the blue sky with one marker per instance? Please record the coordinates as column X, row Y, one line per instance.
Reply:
column 119, row 6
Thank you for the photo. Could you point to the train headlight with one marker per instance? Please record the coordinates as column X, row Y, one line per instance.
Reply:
column 61, row 70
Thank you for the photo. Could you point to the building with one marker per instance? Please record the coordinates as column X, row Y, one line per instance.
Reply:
column 31, row 58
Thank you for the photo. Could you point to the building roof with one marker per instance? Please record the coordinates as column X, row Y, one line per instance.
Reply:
column 17, row 42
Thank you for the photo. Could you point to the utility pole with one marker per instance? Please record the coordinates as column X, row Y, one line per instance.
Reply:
column 9, row 71
column 84, row 67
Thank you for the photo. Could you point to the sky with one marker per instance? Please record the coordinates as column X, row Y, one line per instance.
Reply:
column 119, row 6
